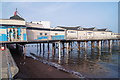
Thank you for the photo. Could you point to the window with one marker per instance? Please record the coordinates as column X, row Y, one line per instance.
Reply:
column 71, row 32
column 89, row 33
column 102, row 33
column 40, row 33
column 45, row 33
column 56, row 33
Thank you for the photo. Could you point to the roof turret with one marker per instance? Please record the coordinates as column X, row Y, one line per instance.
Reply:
column 16, row 16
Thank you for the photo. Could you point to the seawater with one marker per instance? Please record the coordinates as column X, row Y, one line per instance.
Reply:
column 105, row 65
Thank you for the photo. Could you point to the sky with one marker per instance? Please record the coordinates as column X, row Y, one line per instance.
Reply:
column 84, row 14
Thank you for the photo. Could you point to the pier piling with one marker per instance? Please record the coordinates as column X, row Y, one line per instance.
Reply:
column 24, row 51
column 53, row 49
column 40, row 48
column 99, row 47
column 63, row 48
column 59, row 47
column 67, row 52
column 43, row 48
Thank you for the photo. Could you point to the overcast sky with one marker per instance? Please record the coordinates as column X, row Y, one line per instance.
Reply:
column 85, row 14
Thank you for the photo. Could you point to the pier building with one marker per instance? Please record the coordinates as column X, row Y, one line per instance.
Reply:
column 68, row 32
column 13, row 29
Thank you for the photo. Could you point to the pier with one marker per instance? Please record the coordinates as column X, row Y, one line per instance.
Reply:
column 63, row 47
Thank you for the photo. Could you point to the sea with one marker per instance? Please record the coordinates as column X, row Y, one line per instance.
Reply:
column 93, row 65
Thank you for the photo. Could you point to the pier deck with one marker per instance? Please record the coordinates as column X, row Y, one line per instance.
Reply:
column 50, row 41
column 8, row 67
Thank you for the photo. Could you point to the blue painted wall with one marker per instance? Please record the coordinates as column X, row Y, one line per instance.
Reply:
column 3, row 37
column 58, row 37
column 19, row 31
column 43, row 37
column 25, row 37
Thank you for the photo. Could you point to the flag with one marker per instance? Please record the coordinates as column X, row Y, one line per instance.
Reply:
column 15, row 13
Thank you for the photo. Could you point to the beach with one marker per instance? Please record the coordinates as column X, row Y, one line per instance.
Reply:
column 30, row 68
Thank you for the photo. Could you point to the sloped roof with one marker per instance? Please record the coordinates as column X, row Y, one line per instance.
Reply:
column 70, row 28
column 16, row 17
column 105, row 29
column 102, row 29
column 90, row 29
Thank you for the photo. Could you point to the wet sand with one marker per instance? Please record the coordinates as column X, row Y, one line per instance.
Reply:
column 30, row 68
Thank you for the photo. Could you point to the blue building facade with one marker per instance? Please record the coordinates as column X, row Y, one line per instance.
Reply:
column 13, row 29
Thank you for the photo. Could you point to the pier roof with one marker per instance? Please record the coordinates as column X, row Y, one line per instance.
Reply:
column 90, row 29
column 71, row 28
column 16, row 17
column 105, row 29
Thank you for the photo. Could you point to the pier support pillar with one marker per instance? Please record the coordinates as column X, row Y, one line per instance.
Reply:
column 110, row 45
column 67, row 53
column 48, row 48
column 63, row 48
column 37, row 49
column 113, row 42
column 78, row 46
column 118, row 42
column 43, row 49
column 59, row 47
column 24, row 51
column 40, row 49
column 85, row 49
column 53, row 49
column 92, row 47
column 99, row 47
column 71, row 46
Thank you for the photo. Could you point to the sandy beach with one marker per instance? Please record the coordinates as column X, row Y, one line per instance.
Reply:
column 30, row 68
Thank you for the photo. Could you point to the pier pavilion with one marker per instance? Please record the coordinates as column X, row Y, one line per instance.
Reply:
column 13, row 29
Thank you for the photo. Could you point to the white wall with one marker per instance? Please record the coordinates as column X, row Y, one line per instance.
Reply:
column 72, row 34
column 34, row 34
column 34, row 25
column 12, row 22
column 46, row 24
